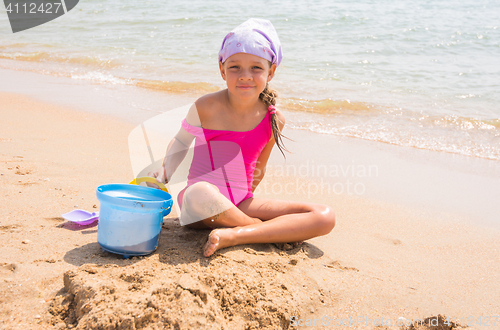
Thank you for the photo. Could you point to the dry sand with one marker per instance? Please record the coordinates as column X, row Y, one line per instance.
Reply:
column 382, row 263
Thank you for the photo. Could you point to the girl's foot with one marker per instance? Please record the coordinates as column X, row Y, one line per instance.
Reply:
column 218, row 239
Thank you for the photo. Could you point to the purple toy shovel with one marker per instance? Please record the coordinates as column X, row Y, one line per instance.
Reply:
column 81, row 217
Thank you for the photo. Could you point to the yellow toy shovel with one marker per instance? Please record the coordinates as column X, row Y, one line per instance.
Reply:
column 150, row 180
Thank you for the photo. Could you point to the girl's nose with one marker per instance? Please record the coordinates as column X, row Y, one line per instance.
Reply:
column 245, row 75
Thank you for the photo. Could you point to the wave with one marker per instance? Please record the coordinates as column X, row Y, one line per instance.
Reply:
column 175, row 86
column 93, row 61
column 466, row 123
column 16, row 45
column 325, row 106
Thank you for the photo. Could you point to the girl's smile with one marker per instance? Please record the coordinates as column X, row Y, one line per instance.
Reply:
column 245, row 87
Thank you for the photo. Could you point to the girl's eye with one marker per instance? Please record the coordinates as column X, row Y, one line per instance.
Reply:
column 257, row 67
column 234, row 67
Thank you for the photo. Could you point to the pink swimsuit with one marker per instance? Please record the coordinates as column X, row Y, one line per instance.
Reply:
column 227, row 159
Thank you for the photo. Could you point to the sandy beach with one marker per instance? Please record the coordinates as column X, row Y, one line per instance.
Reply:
column 391, row 259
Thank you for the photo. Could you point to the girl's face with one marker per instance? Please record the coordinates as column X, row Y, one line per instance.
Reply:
column 246, row 75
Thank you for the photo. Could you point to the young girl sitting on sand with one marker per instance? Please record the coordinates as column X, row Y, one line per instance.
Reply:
column 235, row 130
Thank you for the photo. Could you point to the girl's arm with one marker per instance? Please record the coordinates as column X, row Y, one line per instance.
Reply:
column 176, row 152
column 260, row 168
column 177, row 149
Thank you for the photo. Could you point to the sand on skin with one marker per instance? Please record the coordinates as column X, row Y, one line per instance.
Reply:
column 381, row 261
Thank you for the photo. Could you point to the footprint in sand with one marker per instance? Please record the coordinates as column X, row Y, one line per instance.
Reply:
column 337, row 265
column 20, row 171
column 389, row 240
column 251, row 251
column 7, row 269
column 27, row 183
column 58, row 219
column 9, row 228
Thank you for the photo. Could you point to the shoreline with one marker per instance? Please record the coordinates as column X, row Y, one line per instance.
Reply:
column 383, row 260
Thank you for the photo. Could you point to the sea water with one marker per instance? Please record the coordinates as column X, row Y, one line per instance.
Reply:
column 422, row 74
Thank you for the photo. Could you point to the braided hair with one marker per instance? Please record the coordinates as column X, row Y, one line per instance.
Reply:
column 268, row 96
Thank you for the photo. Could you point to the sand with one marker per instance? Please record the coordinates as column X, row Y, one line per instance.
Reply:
column 384, row 265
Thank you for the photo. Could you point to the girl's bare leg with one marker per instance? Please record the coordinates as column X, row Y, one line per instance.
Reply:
column 292, row 222
column 283, row 221
column 255, row 220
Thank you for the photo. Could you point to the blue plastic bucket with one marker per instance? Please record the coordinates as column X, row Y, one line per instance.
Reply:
column 130, row 218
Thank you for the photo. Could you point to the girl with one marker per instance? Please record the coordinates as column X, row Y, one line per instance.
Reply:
column 235, row 130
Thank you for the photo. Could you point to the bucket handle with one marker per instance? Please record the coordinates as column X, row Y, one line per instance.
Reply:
column 150, row 180
column 169, row 204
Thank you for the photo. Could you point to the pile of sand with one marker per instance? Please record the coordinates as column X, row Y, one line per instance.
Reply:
column 258, row 287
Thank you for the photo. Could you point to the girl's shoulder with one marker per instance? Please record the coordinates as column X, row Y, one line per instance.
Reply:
column 208, row 105
column 203, row 108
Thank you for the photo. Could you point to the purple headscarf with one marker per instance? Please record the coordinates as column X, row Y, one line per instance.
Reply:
column 255, row 36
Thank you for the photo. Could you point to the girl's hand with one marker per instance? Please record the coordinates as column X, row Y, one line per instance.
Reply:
column 159, row 175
